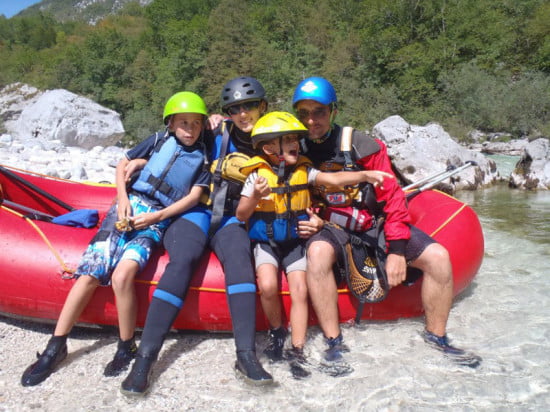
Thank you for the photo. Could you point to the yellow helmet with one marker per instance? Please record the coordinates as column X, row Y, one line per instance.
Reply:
column 276, row 124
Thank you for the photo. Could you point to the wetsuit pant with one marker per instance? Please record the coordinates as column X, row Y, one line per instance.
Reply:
column 185, row 243
column 232, row 247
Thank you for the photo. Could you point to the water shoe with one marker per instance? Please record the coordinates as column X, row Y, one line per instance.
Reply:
column 458, row 355
column 126, row 352
column 297, row 362
column 249, row 368
column 335, row 348
column 53, row 355
column 137, row 381
column 274, row 350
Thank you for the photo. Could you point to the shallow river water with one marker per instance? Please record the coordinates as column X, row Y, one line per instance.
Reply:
column 504, row 316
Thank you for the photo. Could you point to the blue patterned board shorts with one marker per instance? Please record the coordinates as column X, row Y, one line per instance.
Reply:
column 109, row 246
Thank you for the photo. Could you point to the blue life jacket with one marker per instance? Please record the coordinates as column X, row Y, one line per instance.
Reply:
column 170, row 172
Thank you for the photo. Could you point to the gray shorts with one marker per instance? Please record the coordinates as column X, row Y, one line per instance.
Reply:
column 290, row 256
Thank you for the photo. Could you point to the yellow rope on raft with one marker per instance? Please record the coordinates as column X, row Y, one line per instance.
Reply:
column 445, row 223
column 65, row 268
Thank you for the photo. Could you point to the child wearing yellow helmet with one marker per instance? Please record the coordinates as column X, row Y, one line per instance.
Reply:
column 274, row 198
column 114, row 256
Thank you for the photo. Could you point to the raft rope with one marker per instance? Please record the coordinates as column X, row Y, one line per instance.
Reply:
column 64, row 267
column 445, row 223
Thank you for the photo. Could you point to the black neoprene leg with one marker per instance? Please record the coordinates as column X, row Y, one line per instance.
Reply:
column 232, row 247
column 185, row 244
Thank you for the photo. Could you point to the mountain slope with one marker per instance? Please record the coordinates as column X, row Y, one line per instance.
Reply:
column 90, row 11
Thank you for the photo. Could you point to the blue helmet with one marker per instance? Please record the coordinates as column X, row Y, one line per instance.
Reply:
column 315, row 88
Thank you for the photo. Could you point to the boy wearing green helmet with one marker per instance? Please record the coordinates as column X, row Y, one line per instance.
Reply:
column 275, row 197
column 185, row 115
column 243, row 101
column 132, row 229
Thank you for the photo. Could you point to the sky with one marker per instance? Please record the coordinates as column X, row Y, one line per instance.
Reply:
column 11, row 7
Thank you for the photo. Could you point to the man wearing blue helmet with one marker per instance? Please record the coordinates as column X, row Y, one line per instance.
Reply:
column 315, row 103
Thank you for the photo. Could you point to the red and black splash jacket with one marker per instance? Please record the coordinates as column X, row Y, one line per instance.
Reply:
column 368, row 154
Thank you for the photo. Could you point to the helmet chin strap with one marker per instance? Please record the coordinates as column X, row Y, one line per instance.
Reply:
column 282, row 163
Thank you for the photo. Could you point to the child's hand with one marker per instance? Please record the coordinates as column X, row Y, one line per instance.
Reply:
column 261, row 188
column 124, row 209
column 376, row 177
column 143, row 220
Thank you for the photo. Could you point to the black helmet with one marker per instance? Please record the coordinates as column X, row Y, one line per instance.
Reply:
column 241, row 89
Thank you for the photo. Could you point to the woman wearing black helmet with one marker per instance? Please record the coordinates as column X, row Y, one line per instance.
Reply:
column 243, row 101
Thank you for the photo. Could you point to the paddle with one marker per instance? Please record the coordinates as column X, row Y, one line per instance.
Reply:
column 38, row 190
column 78, row 218
column 431, row 181
column 33, row 213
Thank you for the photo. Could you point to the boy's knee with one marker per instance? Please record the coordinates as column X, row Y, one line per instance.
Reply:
column 122, row 279
column 268, row 287
column 299, row 294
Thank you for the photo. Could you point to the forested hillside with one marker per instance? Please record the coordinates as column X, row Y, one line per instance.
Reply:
column 463, row 63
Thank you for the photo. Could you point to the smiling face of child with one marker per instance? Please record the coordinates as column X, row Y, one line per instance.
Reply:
column 290, row 148
column 187, row 127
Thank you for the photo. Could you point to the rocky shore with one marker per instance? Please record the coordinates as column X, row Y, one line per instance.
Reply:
column 61, row 134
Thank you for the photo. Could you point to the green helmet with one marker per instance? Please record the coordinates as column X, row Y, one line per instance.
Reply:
column 184, row 102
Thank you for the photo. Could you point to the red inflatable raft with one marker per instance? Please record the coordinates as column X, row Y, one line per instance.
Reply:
column 37, row 256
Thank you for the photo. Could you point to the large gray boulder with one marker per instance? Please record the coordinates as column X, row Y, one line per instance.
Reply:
column 421, row 151
column 532, row 172
column 13, row 99
column 58, row 117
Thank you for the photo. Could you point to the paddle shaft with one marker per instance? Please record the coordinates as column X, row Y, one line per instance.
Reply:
column 35, row 213
column 437, row 179
column 451, row 170
column 38, row 190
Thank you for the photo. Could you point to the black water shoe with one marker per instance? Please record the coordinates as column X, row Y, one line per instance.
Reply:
column 335, row 349
column 251, row 369
column 274, row 349
column 137, row 381
column 298, row 363
column 126, row 352
column 458, row 355
column 53, row 355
